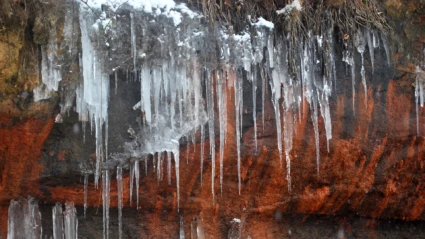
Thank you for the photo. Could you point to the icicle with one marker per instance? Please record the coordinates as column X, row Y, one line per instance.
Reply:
column 180, row 100
column 71, row 221
column 162, row 167
column 157, row 82
column 202, row 149
column 353, row 83
column 86, row 182
column 24, row 219
column 210, row 107
column 181, row 232
column 50, row 70
column 131, row 183
column 197, row 90
column 288, row 170
column 177, row 163
column 158, row 173
column 194, row 140
column 84, row 131
column 116, row 81
column 146, row 165
column 106, row 202
column 238, row 97
column 137, row 179
column 187, row 149
column 254, row 104
column 362, row 72
column 221, row 91
column 288, row 130
column 375, row 39
column 316, row 133
column 133, row 41
column 169, row 167
column 349, row 59
column 96, row 86
column 241, row 109
column 200, row 231
column 57, row 218
column 173, row 95
column 106, row 137
column 331, row 54
column 419, row 94
column 99, row 150
column 263, row 94
column 146, row 94
column 360, row 43
column 275, row 86
column 371, row 48
column 325, row 111
column 120, row 196
column 309, row 80
column 193, row 227
column 387, row 50
column 270, row 48
column 154, row 162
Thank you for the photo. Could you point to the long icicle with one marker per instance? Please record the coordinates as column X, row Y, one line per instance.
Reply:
column 202, row 149
column 238, row 133
column 177, row 166
column 86, row 182
column 137, row 180
column 120, row 196
column 169, row 167
column 210, row 106
column 221, row 115
column 254, row 102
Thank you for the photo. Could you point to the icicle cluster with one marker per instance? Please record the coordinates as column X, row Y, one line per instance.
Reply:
column 50, row 69
column 186, row 70
column 419, row 94
column 24, row 219
column 65, row 223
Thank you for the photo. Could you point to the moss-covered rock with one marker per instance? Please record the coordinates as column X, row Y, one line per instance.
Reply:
column 40, row 31
column 11, row 43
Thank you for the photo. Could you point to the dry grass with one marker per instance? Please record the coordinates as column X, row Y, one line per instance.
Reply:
column 348, row 18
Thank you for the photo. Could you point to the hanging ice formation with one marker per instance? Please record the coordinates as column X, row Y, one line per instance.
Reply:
column 186, row 70
column 360, row 43
column 70, row 221
column 50, row 69
column 24, row 219
column 58, row 226
column 419, row 94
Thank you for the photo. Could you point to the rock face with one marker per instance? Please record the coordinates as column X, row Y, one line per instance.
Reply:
column 374, row 166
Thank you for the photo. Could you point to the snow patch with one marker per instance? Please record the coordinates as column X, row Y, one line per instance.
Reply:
column 288, row 8
column 263, row 23
column 168, row 8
